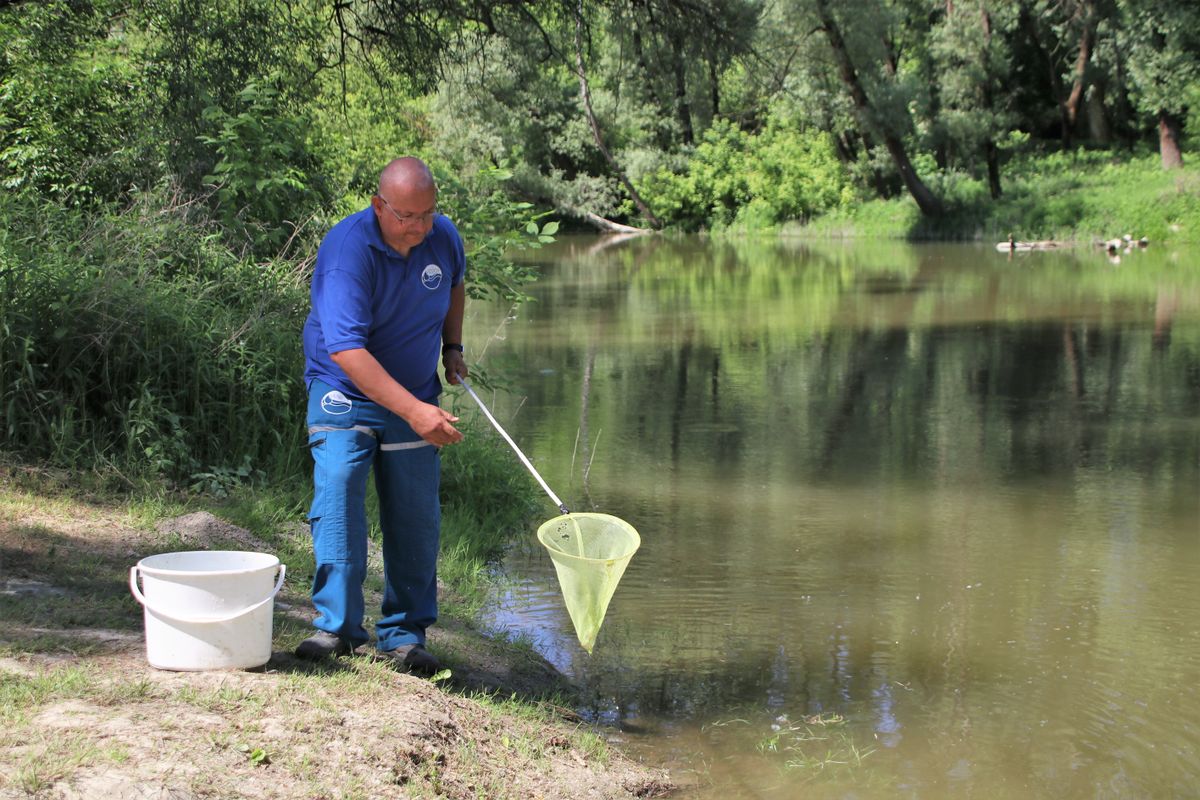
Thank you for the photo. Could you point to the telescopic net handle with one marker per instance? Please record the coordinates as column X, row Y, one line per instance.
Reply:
column 529, row 466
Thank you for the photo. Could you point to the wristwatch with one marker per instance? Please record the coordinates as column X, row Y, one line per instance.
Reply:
column 452, row 346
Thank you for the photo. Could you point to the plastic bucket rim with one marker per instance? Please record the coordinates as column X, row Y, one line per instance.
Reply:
column 161, row 572
column 620, row 523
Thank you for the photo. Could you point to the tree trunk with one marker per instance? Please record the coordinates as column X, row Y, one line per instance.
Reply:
column 992, row 154
column 844, row 144
column 1029, row 24
column 640, row 56
column 878, row 179
column 714, row 84
column 683, row 109
column 1087, row 36
column 941, row 155
column 990, row 151
column 585, row 94
column 608, row 225
column 1097, row 118
column 1169, row 129
column 926, row 200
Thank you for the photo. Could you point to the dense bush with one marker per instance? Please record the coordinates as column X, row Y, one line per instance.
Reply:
column 69, row 102
column 268, row 179
column 758, row 180
column 134, row 339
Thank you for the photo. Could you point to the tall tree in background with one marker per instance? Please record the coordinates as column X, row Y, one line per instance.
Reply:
column 1162, row 39
column 1085, row 17
column 585, row 96
column 436, row 39
column 886, row 124
column 973, row 67
column 680, row 71
column 1054, row 45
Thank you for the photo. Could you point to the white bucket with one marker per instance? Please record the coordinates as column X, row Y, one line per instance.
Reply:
column 207, row 609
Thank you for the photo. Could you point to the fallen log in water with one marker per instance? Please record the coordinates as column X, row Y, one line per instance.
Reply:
column 1014, row 246
column 610, row 226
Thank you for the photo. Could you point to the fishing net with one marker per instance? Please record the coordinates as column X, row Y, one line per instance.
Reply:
column 590, row 553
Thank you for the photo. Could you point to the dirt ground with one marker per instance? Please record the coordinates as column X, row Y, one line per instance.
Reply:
column 82, row 715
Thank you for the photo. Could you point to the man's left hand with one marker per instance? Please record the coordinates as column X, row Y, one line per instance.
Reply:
column 455, row 365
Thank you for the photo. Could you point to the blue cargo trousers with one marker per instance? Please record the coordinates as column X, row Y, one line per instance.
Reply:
column 347, row 438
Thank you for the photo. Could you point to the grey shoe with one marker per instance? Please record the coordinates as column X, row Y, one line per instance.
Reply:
column 414, row 658
column 321, row 645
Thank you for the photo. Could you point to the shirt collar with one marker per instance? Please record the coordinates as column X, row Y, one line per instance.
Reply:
column 371, row 230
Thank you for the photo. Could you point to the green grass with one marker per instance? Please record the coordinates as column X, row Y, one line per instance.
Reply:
column 134, row 342
column 1080, row 196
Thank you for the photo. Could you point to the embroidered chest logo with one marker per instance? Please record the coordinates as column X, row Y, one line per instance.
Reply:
column 431, row 277
column 335, row 403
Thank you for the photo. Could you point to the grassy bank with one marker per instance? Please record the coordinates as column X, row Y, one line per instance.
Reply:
column 1081, row 196
column 83, row 715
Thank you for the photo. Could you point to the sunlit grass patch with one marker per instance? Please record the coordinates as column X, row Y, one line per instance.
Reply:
column 541, row 733
column 48, row 759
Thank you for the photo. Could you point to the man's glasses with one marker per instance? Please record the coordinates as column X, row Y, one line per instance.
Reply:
column 409, row 219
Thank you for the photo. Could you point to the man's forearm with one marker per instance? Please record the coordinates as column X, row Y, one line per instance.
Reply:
column 453, row 325
column 373, row 380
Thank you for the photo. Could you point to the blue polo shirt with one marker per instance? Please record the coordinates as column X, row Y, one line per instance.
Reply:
column 365, row 294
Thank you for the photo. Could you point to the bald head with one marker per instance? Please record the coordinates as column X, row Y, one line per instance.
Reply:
column 406, row 175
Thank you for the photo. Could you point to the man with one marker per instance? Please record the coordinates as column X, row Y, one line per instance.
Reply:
column 388, row 296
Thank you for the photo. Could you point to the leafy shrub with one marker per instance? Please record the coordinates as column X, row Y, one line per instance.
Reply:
column 267, row 177
column 117, row 351
column 68, row 105
column 758, row 180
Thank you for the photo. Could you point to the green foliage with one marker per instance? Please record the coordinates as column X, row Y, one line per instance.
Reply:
column 781, row 174
column 505, row 109
column 120, row 350
column 202, row 55
column 494, row 227
column 485, row 491
column 973, row 64
column 1162, row 42
column 362, row 126
column 1084, row 196
column 69, row 102
column 486, row 502
column 266, row 176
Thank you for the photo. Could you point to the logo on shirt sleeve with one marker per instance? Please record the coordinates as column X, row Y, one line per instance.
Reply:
column 431, row 277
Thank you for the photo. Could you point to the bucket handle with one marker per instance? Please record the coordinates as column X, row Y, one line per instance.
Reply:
column 137, row 594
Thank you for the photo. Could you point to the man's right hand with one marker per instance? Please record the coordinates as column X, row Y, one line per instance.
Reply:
column 431, row 422
column 434, row 424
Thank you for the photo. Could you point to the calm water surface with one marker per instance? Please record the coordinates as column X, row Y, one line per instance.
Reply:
column 917, row 521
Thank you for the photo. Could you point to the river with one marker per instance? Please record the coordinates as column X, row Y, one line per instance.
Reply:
column 917, row 520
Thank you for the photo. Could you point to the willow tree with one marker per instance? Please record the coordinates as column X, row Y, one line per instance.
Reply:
column 659, row 58
column 862, row 48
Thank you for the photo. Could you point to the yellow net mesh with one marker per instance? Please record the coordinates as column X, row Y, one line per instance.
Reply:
column 590, row 553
